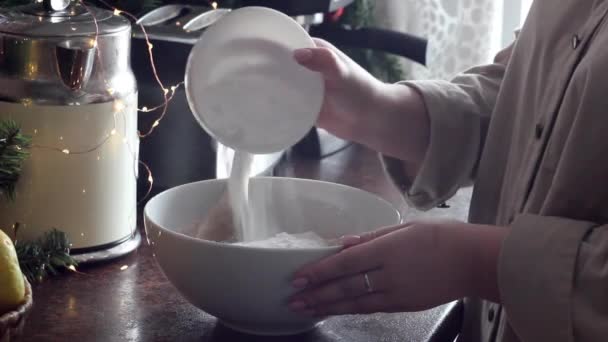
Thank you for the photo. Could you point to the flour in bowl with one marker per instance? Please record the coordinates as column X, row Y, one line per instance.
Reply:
column 284, row 240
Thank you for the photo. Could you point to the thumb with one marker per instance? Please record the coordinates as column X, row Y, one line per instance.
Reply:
column 323, row 60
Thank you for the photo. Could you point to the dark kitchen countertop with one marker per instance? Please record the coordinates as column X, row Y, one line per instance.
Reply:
column 105, row 303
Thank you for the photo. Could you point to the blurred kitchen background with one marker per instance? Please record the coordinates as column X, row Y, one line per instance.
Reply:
column 393, row 39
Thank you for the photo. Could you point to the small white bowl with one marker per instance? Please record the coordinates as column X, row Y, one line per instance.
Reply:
column 247, row 288
column 242, row 80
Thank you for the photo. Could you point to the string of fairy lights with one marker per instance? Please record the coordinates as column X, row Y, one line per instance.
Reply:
column 119, row 107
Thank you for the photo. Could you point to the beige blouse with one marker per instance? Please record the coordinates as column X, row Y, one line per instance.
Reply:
column 531, row 132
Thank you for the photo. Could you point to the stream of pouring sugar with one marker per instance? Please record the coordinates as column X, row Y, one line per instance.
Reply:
column 259, row 228
column 238, row 193
column 254, row 220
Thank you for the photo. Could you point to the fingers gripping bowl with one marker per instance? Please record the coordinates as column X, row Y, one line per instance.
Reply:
column 245, row 287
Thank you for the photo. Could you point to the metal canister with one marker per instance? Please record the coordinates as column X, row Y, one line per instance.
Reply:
column 66, row 78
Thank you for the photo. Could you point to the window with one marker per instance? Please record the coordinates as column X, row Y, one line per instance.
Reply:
column 525, row 7
column 514, row 14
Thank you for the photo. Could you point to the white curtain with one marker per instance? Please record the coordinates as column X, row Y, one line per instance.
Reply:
column 461, row 33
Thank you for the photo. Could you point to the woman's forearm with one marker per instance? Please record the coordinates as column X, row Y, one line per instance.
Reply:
column 399, row 126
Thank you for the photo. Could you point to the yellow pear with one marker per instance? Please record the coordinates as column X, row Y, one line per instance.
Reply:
column 12, row 286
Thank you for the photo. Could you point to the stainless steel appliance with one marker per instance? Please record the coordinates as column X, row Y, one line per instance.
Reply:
column 65, row 76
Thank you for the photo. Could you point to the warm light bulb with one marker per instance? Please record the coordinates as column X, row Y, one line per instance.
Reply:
column 93, row 42
column 124, row 267
column 117, row 11
column 66, row 151
column 150, row 46
column 214, row 5
column 113, row 131
column 26, row 102
column 156, row 123
column 111, row 91
column 144, row 109
column 166, row 91
column 150, row 179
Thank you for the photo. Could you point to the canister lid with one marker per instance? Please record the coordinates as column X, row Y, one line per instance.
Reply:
column 60, row 18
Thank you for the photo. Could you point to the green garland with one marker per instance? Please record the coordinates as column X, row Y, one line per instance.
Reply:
column 51, row 252
column 13, row 151
column 45, row 256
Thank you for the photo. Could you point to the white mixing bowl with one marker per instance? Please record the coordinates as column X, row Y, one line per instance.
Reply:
column 247, row 288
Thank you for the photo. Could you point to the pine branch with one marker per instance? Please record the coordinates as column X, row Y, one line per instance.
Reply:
column 47, row 256
column 13, row 151
column 382, row 65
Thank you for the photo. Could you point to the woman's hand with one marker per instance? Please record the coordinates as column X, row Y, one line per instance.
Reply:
column 405, row 268
column 389, row 118
column 350, row 90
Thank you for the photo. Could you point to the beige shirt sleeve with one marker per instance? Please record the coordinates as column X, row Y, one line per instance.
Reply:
column 459, row 113
column 561, row 294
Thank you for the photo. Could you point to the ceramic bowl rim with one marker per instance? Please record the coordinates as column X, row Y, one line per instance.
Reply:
column 178, row 188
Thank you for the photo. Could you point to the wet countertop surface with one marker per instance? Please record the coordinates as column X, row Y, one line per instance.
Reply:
column 111, row 302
